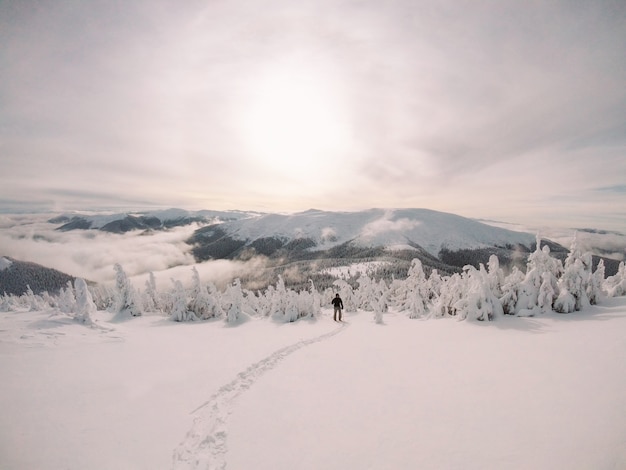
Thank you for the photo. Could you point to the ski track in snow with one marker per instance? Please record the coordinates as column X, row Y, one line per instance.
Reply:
column 205, row 445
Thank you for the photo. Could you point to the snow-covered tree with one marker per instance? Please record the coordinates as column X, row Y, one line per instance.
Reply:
column 596, row 281
column 366, row 295
column 574, row 282
column 49, row 299
column 478, row 301
column 84, row 302
column 291, row 307
column 434, row 283
column 103, row 296
column 312, row 302
column 528, row 293
column 6, row 303
column 126, row 298
column 451, row 291
column 180, row 312
column 381, row 306
column 264, row 302
column 236, row 298
column 414, row 294
column 67, row 299
column 32, row 301
column 547, row 293
column 200, row 301
column 510, row 290
column 616, row 285
column 495, row 276
column 151, row 300
column 278, row 300
column 383, row 292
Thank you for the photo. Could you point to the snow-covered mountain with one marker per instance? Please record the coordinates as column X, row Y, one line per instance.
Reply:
column 422, row 230
column 154, row 220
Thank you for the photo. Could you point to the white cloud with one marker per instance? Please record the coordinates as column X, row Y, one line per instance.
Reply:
column 385, row 224
column 92, row 254
column 440, row 104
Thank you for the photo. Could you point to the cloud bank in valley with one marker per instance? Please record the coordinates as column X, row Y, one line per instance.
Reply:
column 91, row 254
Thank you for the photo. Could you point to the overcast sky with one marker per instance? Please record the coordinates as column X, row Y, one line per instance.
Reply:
column 508, row 110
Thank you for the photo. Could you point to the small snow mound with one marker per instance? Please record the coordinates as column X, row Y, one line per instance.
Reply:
column 5, row 263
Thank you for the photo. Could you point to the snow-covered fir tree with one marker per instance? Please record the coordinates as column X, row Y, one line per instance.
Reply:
column 85, row 306
column 313, row 301
column 6, row 303
column 451, row 291
column 180, row 312
column 574, row 282
column 413, row 294
column 151, row 301
column 126, row 298
column 200, row 301
column 615, row 285
column 277, row 298
column 67, row 299
column 478, row 301
column 366, row 295
column 236, row 299
column 495, row 275
column 291, row 306
column 434, row 283
column 510, row 289
column 537, row 292
column 547, row 293
column 31, row 300
column 594, row 288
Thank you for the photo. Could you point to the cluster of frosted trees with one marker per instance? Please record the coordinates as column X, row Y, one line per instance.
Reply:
column 479, row 294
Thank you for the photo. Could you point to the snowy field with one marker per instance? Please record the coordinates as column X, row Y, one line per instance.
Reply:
column 547, row 392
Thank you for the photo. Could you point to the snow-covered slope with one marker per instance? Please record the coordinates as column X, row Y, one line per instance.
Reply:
column 390, row 228
column 516, row 394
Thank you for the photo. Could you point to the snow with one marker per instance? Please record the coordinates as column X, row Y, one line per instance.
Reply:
column 516, row 393
column 392, row 228
column 5, row 263
column 354, row 269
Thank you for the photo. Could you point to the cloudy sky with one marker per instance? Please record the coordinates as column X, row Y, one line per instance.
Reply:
column 507, row 110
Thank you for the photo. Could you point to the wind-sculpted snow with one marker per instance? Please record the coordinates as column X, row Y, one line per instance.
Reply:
column 206, row 444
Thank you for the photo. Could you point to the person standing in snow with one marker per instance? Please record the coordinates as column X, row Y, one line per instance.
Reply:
column 338, row 305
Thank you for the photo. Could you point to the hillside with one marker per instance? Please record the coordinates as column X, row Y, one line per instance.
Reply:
column 413, row 229
column 16, row 276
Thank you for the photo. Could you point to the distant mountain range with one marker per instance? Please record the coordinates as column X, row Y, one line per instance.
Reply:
column 155, row 220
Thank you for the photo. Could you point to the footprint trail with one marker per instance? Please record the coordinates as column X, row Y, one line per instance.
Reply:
column 205, row 445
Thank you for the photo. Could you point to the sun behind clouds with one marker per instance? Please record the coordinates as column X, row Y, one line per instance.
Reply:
column 294, row 124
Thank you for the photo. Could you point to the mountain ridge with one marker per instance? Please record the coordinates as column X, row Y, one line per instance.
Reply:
column 394, row 229
column 123, row 222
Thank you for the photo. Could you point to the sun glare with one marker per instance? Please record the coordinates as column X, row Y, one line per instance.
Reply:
column 294, row 124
